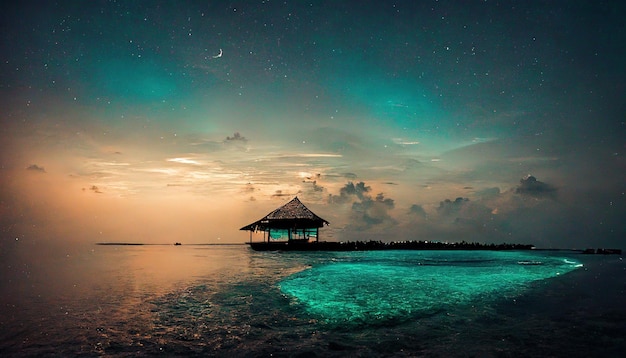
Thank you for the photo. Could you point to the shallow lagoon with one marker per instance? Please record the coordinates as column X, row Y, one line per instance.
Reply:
column 229, row 300
column 378, row 286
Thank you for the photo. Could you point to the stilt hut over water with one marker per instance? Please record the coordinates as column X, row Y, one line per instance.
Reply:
column 293, row 220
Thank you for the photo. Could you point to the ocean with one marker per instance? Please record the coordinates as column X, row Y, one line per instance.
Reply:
column 227, row 300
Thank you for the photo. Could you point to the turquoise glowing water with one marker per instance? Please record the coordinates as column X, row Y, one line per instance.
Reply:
column 382, row 286
column 229, row 301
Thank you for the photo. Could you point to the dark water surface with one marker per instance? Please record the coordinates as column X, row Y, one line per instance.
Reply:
column 230, row 301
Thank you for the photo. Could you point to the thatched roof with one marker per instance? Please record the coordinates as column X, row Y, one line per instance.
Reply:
column 293, row 215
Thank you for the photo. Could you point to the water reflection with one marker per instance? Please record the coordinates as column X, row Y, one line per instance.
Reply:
column 105, row 295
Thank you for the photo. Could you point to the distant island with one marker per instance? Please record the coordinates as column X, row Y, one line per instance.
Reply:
column 304, row 245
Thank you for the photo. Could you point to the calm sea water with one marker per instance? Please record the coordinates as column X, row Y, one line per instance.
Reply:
column 230, row 301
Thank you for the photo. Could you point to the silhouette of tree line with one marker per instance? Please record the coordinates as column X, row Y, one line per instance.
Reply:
column 380, row 245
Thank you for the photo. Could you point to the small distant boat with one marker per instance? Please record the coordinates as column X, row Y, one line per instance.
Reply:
column 177, row 244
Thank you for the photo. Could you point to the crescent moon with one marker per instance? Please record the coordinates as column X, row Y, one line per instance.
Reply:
column 219, row 54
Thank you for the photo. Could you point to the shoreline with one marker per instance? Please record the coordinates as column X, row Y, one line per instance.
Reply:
column 410, row 245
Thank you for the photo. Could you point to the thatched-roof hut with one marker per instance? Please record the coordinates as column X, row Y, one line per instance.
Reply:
column 293, row 218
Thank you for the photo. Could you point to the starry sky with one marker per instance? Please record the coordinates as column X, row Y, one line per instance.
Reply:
column 182, row 121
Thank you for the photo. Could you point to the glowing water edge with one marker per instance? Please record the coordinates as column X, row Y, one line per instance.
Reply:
column 393, row 286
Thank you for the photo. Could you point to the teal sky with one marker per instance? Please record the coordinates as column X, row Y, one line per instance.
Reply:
column 168, row 121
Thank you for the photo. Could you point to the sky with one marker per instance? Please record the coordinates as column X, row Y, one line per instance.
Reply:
column 182, row 121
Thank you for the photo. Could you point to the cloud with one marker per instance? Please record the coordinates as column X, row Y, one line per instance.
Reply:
column 94, row 189
column 495, row 216
column 350, row 190
column 449, row 207
column 36, row 168
column 317, row 188
column 237, row 137
column 373, row 211
column 367, row 216
column 417, row 210
column 371, row 216
column 530, row 186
